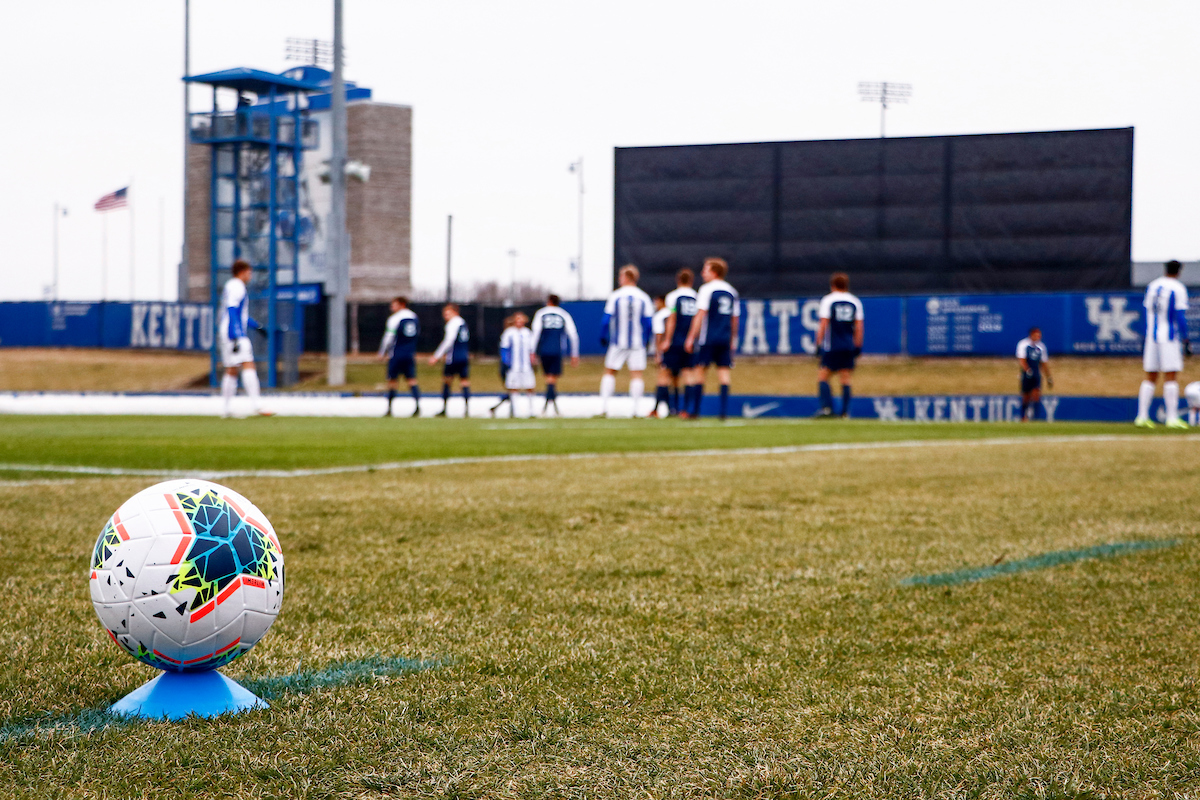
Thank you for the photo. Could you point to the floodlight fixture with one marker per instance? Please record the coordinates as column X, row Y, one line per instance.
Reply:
column 314, row 52
column 884, row 92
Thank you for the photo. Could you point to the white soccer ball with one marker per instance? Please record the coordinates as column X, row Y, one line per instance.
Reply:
column 187, row 575
column 1192, row 393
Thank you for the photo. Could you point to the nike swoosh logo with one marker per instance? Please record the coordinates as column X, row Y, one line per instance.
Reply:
column 751, row 412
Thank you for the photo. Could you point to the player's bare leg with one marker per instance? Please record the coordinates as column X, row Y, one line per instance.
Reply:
column 1171, row 400
column 608, row 385
column 551, row 396
column 1145, row 398
column 826, row 397
column 845, row 378
column 637, row 387
column 661, row 391
column 724, row 376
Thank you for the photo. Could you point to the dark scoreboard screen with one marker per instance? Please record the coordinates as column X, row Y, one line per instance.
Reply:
column 1046, row 211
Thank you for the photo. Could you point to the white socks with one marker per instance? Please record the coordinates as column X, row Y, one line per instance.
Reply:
column 228, row 390
column 1145, row 396
column 1171, row 399
column 250, row 381
column 636, row 387
column 608, row 384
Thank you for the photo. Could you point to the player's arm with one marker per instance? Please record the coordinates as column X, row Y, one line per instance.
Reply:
column 694, row 331
column 735, row 323
column 389, row 336
column 822, row 326
column 506, row 349
column 610, row 307
column 858, row 334
column 573, row 338
column 447, row 343
column 669, row 327
column 1046, row 367
column 1181, row 324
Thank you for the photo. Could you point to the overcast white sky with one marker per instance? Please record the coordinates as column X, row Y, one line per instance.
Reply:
column 507, row 94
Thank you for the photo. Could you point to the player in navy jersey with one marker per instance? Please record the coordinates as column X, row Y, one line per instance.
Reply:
column 555, row 337
column 1033, row 358
column 456, row 348
column 399, row 348
column 676, row 359
column 839, row 341
column 658, row 326
column 714, row 331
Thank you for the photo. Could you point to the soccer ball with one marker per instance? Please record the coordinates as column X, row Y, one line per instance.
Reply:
column 187, row 575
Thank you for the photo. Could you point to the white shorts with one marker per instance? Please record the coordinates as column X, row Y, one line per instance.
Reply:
column 633, row 357
column 234, row 354
column 520, row 379
column 1162, row 357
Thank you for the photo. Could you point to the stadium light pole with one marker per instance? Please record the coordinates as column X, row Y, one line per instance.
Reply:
column 883, row 92
column 59, row 211
column 182, row 278
column 512, row 277
column 339, row 255
column 577, row 168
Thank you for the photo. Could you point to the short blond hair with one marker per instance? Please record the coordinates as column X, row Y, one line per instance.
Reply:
column 632, row 271
column 717, row 266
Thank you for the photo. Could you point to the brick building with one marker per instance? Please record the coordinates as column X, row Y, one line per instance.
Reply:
column 378, row 211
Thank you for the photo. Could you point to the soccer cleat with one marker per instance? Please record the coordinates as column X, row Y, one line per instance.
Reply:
column 684, row 415
column 653, row 414
column 387, row 413
column 265, row 413
column 1143, row 422
column 824, row 413
column 1177, row 424
column 601, row 415
column 441, row 413
column 417, row 411
column 845, row 415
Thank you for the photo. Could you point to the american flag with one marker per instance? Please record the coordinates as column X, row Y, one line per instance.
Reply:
column 113, row 200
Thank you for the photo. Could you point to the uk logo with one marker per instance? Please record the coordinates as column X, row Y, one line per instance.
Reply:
column 1113, row 324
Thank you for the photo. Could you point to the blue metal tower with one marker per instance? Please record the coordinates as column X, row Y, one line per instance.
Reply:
column 257, row 153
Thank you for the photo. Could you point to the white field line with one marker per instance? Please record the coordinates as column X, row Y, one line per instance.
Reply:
column 527, row 457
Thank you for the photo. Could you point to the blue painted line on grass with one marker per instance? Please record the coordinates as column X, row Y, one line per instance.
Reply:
column 1044, row 561
column 268, row 687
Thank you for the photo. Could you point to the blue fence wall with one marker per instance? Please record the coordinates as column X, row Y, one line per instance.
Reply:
column 1098, row 323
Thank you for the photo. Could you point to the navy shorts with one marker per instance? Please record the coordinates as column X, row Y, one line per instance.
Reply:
column 551, row 365
column 1030, row 382
column 460, row 368
column 719, row 354
column 401, row 365
column 837, row 360
column 676, row 359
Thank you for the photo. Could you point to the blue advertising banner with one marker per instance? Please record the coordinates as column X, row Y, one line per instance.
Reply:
column 941, row 408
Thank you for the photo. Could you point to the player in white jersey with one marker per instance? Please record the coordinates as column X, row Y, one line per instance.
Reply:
column 1166, row 341
column 236, row 352
column 625, row 331
column 516, row 352
column 658, row 326
column 456, row 347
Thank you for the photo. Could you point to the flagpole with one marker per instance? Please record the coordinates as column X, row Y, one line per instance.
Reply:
column 162, row 258
column 103, row 257
column 129, row 205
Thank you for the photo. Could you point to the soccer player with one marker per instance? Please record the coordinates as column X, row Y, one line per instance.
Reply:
column 399, row 347
column 508, row 323
column 516, row 351
column 677, row 360
column 714, row 331
column 1192, row 393
column 1166, row 341
column 1033, row 358
column 658, row 326
column 456, row 347
column 839, row 341
column 236, row 351
column 554, row 336
column 625, row 331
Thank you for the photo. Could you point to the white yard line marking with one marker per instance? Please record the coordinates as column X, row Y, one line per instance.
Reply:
column 526, row 457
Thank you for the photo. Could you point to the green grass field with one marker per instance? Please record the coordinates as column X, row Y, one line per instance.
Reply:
column 724, row 625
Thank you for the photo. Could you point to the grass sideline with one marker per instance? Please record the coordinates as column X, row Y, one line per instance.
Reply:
column 52, row 369
column 297, row 442
column 726, row 626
